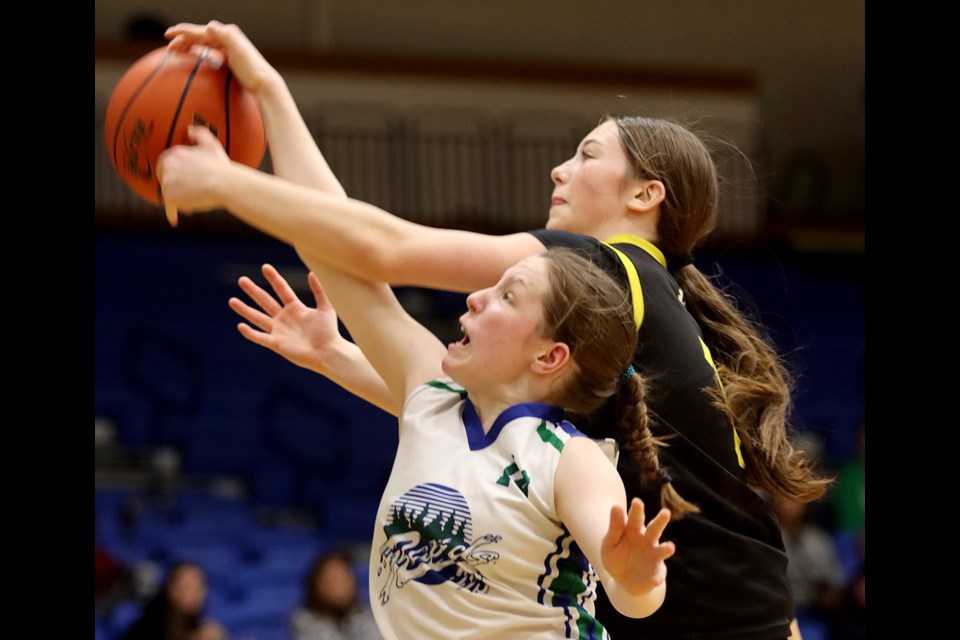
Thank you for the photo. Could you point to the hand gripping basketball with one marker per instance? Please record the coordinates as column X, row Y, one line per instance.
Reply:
column 160, row 96
column 192, row 175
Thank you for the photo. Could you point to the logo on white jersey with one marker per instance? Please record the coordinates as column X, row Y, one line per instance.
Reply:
column 430, row 541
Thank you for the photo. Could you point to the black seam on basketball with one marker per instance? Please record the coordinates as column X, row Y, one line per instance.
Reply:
column 183, row 95
column 126, row 107
column 226, row 109
column 176, row 113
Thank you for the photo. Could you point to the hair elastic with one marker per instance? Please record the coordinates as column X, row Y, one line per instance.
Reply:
column 626, row 375
column 663, row 477
column 678, row 262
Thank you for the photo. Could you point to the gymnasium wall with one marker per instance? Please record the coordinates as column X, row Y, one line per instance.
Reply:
column 807, row 59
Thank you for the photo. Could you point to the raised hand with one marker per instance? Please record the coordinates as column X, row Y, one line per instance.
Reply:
column 287, row 326
column 632, row 552
column 248, row 64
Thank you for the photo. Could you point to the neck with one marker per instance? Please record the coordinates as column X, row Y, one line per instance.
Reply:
column 644, row 226
column 490, row 404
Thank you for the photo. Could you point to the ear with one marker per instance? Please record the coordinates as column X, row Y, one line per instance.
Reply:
column 647, row 194
column 556, row 355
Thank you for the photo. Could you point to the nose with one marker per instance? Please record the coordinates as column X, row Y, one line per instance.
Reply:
column 474, row 301
column 477, row 300
column 558, row 174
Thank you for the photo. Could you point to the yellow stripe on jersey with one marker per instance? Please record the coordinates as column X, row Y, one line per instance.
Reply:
column 736, row 436
column 637, row 241
column 633, row 277
column 636, row 293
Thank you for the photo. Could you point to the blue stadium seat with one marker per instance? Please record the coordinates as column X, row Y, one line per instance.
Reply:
column 279, row 541
column 100, row 630
column 123, row 614
column 813, row 629
column 263, row 606
column 350, row 518
column 269, row 629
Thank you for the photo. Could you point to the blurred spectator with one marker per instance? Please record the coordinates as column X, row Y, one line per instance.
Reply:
column 814, row 569
column 113, row 580
column 332, row 607
column 176, row 612
column 118, row 579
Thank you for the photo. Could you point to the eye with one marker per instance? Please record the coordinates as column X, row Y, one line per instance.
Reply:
column 507, row 296
column 586, row 155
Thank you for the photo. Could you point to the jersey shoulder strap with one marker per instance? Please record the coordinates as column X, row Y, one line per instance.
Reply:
column 633, row 277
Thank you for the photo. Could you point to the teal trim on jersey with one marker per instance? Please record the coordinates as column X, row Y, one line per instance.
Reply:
column 441, row 385
column 547, row 435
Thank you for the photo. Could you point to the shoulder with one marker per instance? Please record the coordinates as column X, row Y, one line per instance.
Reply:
column 437, row 390
column 588, row 245
column 599, row 253
column 432, row 398
column 582, row 444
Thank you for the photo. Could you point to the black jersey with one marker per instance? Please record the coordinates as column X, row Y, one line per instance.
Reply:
column 728, row 578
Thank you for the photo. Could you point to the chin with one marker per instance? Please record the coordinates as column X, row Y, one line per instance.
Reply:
column 452, row 370
column 445, row 366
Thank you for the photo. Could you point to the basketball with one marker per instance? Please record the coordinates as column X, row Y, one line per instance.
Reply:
column 164, row 92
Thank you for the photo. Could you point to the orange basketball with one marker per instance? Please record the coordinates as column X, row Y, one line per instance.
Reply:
column 164, row 92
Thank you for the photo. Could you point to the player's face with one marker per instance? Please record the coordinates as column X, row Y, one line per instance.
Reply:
column 590, row 188
column 501, row 328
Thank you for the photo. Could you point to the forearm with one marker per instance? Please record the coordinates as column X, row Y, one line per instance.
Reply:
column 365, row 241
column 397, row 347
column 296, row 157
column 346, row 366
column 293, row 151
column 350, row 235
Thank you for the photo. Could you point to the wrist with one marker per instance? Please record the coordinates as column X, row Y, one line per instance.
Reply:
column 271, row 86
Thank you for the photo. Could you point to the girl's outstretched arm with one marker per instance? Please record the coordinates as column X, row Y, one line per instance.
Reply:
column 627, row 554
column 309, row 337
column 402, row 351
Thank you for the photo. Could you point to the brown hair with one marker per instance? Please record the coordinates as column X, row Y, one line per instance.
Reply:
column 757, row 386
column 313, row 599
column 588, row 311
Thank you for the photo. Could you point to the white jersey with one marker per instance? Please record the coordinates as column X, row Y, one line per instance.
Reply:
column 467, row 541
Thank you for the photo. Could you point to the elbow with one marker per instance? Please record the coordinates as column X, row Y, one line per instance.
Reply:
column 370, row 260
column 379, row 257
column 639, row 607
column 386, row 265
